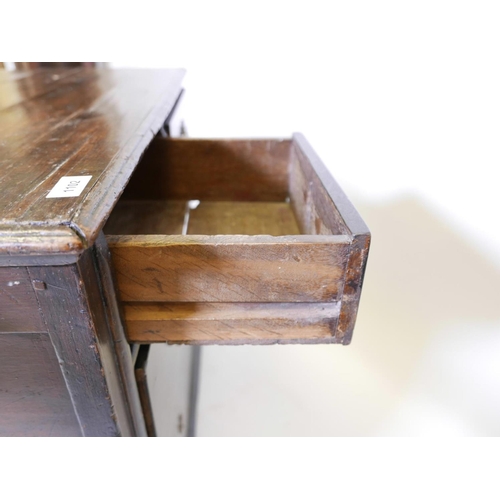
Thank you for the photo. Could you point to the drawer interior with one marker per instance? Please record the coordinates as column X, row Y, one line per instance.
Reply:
column 223, row 187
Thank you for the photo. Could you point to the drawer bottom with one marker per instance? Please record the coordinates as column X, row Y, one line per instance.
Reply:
column 205, row 217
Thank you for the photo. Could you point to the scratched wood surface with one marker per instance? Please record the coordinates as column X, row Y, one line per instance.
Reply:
column 116, row 341
column 18, row 306
column 67, row 122
column 80, row 328
column 229, row 268
column 34, row 400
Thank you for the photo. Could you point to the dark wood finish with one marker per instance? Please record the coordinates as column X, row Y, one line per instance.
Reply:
column 18, row 306
column 212, row 170
column 20, row 86
column 273, row 253
column 72, row 306
column 142, row 384
column 123, row 353
column 34, row 400
column 82, row 121
column 57, row 122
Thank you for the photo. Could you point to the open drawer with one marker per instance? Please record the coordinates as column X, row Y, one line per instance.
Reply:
column 236, row 242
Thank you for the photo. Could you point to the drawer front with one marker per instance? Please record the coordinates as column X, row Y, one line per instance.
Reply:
column 237, row 241
column 230, row 269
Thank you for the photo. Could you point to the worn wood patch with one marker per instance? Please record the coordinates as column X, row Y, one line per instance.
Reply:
column 353, row 284
column 34, row 400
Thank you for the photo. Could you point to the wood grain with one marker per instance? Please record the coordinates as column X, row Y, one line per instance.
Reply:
column 250, row 218
column 89, row 121
column 314, row 207
column 18, row 306
column 346, row 213
column 351, row 295
column 119, row 345
column 72, row 307
column 212, row 170
column 228, row 323
column 229, row 268
column 18, row 86
column 147, row 217
column 34, row 400
column 134, row 217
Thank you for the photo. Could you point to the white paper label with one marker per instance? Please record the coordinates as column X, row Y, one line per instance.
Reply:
column 69, row 186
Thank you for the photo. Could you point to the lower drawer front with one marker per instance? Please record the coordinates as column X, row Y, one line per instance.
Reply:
column 230, row 323
column 248, row 246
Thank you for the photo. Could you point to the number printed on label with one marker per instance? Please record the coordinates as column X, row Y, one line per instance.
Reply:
column 69, row 186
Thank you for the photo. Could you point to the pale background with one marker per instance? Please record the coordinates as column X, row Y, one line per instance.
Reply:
column 403, row 106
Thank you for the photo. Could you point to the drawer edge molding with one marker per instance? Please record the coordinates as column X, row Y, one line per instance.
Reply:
column 231, row 323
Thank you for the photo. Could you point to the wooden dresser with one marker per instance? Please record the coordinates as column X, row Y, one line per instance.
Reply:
column 118, row 240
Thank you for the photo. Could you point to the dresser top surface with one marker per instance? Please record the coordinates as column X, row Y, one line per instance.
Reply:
column 77, row 128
